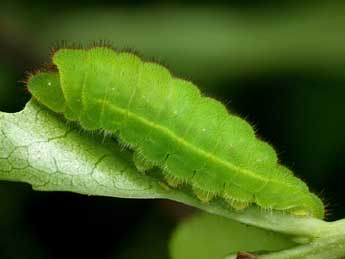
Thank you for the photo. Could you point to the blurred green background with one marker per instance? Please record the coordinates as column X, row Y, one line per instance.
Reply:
column 279, row 64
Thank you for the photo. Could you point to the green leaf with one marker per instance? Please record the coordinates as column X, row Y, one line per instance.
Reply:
column 37, row 147
column 206, row 236
column 42, row 149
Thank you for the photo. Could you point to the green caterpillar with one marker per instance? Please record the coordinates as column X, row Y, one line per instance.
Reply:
column 170, row 125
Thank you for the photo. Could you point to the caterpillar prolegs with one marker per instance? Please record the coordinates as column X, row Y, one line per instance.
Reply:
column 168, row 124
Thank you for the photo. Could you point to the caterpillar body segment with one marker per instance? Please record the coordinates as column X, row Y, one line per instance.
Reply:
column 169, row 124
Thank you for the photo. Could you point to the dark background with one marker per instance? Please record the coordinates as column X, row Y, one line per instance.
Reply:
column 279, row 64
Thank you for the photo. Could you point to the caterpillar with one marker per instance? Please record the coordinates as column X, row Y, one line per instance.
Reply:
column 169, row 124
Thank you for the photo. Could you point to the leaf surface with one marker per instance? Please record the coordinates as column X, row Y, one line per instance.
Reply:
column 207, row 236
column 40, row 148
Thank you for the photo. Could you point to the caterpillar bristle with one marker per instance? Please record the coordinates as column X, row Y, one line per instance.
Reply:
column 141, row 163
column 236, row 203
column 204, row 196
column 172, row 180
column 123, row 145
column 299, row 212
column 164, row 186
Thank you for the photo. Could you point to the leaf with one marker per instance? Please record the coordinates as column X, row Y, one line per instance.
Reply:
column 39, row 148
column 206, row 236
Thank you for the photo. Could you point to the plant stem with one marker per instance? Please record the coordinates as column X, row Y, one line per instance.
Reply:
column 330, row 245
column 270, row 220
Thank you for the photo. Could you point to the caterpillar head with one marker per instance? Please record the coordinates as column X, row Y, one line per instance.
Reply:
column 45, row 87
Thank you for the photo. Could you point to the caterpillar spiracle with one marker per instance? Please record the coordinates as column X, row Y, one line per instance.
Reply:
column 168, row 124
